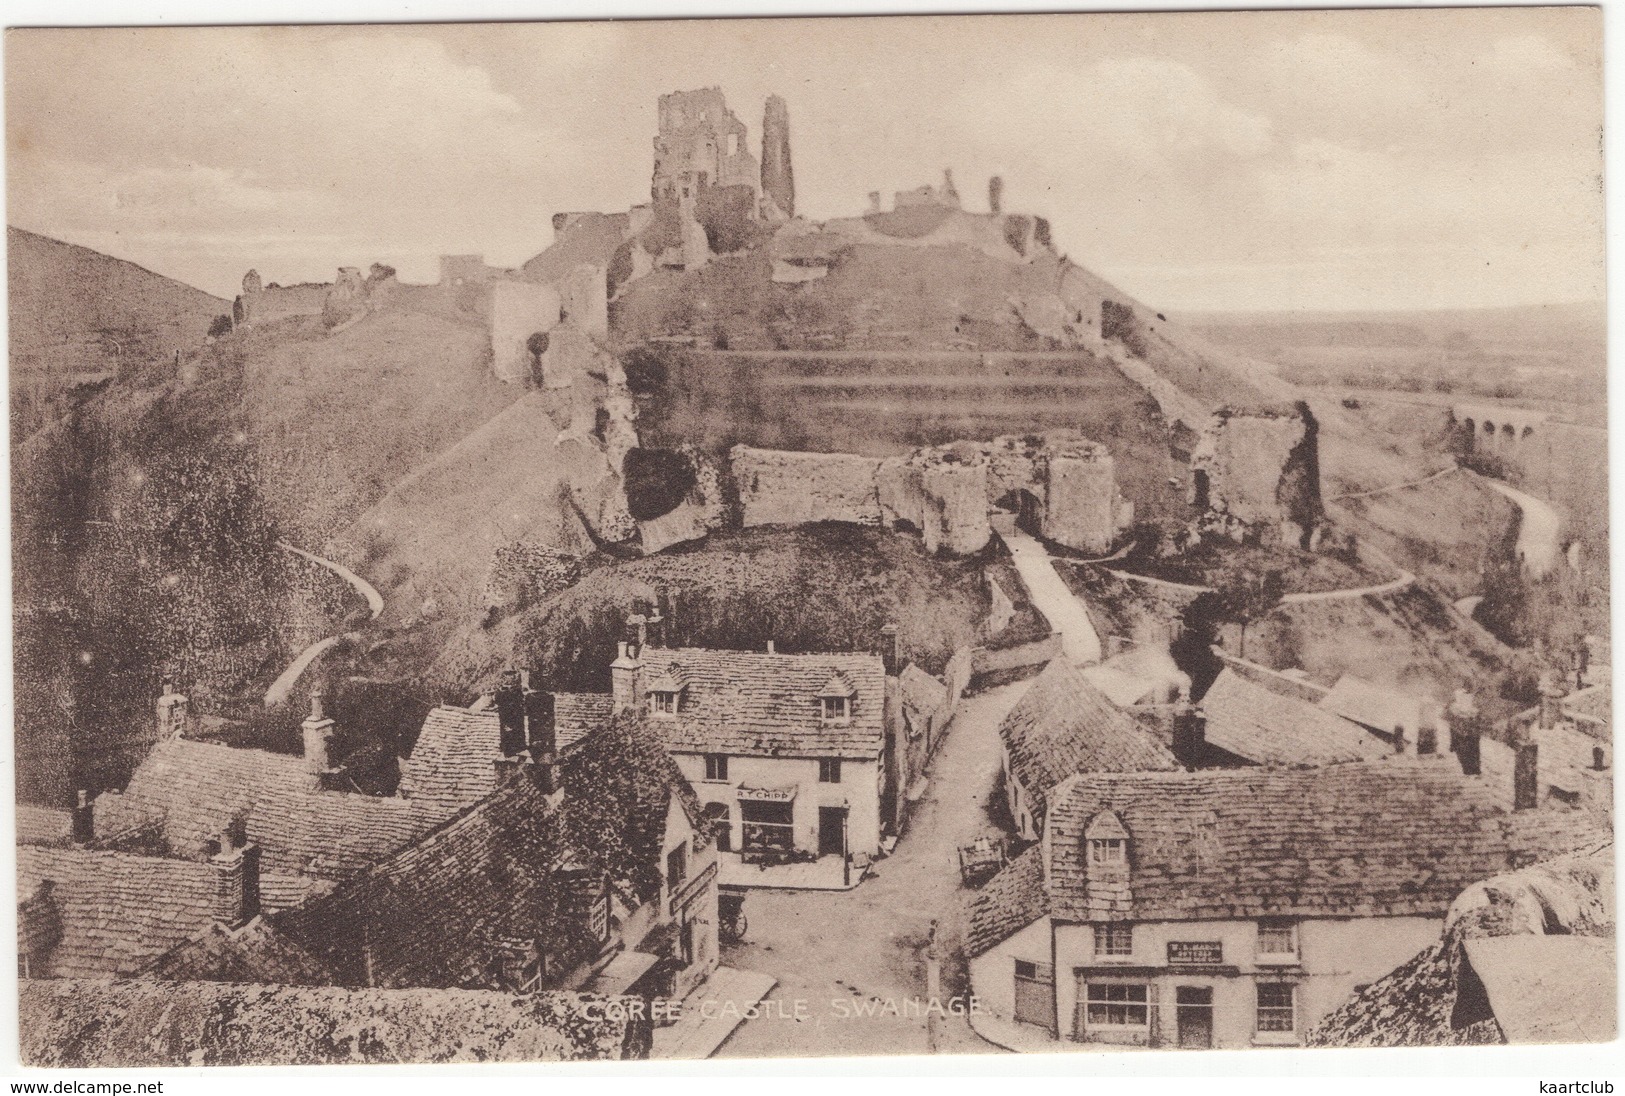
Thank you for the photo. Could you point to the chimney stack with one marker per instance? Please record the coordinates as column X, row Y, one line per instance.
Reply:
column 1551, row 697
column 237, row 878
column 1427, row 730
column 626, row 680
column 510, row 705
column 1599, row 758
column 317, row 730
column 637, row 632
column 172, row 709
column 1190, row 735
column 772, row 647
column 1526, row 778
column 889, row 650
column 1399, row 740
column 540, row 737
column 83, row 829
column 1467, row 752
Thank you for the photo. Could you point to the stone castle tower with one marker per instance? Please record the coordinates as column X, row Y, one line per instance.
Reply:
column 778, row 179
column 701, row 144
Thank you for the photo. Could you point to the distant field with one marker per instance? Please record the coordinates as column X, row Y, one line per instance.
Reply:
column 1553, row 354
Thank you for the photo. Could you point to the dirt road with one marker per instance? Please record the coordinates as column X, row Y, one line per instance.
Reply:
column 851, row 964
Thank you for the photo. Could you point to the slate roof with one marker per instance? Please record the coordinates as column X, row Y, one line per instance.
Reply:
column 922, row 693
column 1391, row 839
column 1064, row 725
column 1381, row 709
column 1271, row 727
column 749, row 703
column 1011, row 900
column 487, row 874
column 451, row 766
column 256, row 952
column 42, row 825
column 76, row 1024
column 190, row 790
column 118, row 912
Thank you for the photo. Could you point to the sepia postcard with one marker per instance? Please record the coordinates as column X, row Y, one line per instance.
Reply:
column 827, row 537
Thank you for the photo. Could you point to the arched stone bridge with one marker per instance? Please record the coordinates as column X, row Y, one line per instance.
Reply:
column 1499, row 429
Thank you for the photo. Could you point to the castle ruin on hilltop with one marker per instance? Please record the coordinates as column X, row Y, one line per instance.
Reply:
column 927, row 276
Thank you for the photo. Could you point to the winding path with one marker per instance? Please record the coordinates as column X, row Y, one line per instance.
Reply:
column 1395, row 486
column 1054, row 598
column 283, row 685
column 1537, row 535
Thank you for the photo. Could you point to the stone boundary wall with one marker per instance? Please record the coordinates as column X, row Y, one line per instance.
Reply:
column 990, row 660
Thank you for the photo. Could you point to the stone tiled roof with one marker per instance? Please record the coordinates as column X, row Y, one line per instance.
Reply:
column 1373, row 706
column 433, row 910
column 76, row 1024
column 190, row 790
column 42, row 825
column 1011, row 900
column 766, row 705
column 1389, row 839
column 451, row 766
column 118, row 912
column 256, row 952
column 922, row 693
column 1064, row 725
column 451, row 763
column 1271, row 727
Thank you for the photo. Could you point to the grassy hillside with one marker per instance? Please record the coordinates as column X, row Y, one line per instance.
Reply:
column 829, row 587
column 76, row 313
column 339, row 420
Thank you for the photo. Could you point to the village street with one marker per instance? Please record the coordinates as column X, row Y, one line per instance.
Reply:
column 850, row 963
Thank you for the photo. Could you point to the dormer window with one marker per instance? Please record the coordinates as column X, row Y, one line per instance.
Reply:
column 1106, row 841
column 666, row 693
column 1107, row 850
column 835, row 700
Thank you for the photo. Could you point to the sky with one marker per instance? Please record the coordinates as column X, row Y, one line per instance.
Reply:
column 1333, row 160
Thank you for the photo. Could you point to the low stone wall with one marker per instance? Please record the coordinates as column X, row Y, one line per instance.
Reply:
column 992, row 660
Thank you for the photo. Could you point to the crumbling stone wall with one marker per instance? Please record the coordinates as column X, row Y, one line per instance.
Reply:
column 584, row 299
column 261, row 304
column 518, row 311
column 781, row 488
column 1084, row 510
column 701, row 142
column 946, row 493
column 1262, row 470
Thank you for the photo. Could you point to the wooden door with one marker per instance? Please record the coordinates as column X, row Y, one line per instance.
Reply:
column 831, row 831
column 1194, row 1016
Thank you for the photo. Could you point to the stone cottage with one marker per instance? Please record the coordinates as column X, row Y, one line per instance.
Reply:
column 1234, row 908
